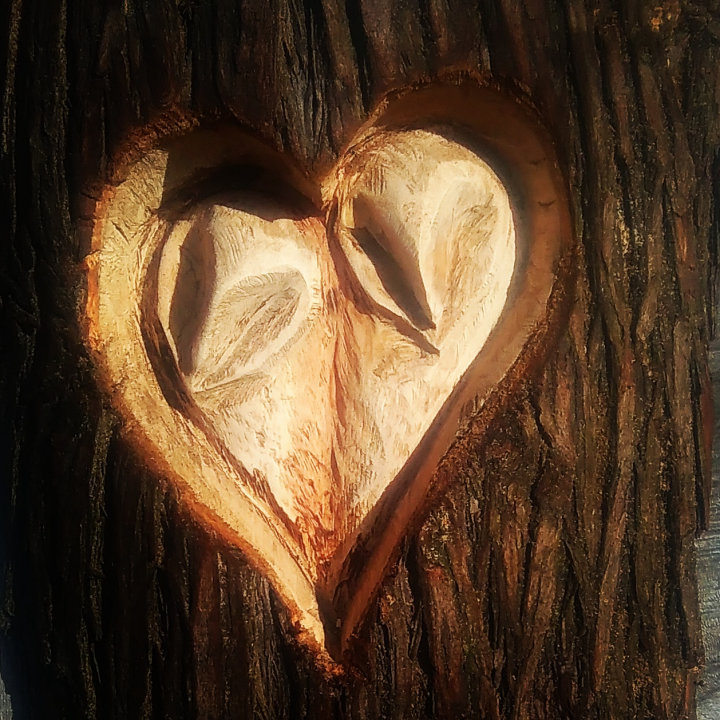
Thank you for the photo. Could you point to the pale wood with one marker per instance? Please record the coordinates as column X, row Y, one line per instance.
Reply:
column 300, row 373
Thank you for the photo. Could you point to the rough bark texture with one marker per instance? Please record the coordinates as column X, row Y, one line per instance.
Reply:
column 556, row 578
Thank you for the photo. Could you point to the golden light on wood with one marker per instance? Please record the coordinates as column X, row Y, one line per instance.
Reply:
column 299, row 368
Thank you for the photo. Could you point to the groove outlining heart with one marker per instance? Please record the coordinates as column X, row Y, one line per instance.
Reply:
column 300, row 377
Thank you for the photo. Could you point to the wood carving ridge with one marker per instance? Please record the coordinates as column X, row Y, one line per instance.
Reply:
column 301, row 372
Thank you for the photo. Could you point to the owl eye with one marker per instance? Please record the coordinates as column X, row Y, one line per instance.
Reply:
column 426, row 228
column 234, row 289
column 393, row 256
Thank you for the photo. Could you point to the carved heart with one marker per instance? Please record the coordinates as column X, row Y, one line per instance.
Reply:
column 302, row 376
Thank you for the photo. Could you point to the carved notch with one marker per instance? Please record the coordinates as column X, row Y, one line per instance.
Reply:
column 301, row 372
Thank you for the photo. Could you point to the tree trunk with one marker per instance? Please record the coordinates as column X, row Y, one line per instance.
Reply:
column 555, row 578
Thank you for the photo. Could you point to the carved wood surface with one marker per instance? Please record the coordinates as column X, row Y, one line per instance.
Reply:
column 301, row 371
column 556, row 577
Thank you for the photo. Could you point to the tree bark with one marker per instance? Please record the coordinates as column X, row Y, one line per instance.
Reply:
column 555, row 578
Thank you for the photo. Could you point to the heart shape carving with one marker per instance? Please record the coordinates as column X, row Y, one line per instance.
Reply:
column 298, row 353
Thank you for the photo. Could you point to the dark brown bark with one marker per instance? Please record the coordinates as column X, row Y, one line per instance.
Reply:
column 556, row 576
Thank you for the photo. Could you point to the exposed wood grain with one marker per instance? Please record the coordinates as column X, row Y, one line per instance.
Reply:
column 556, row 578
column 300, row 373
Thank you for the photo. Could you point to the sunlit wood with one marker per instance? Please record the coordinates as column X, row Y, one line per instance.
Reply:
column 299, row 372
